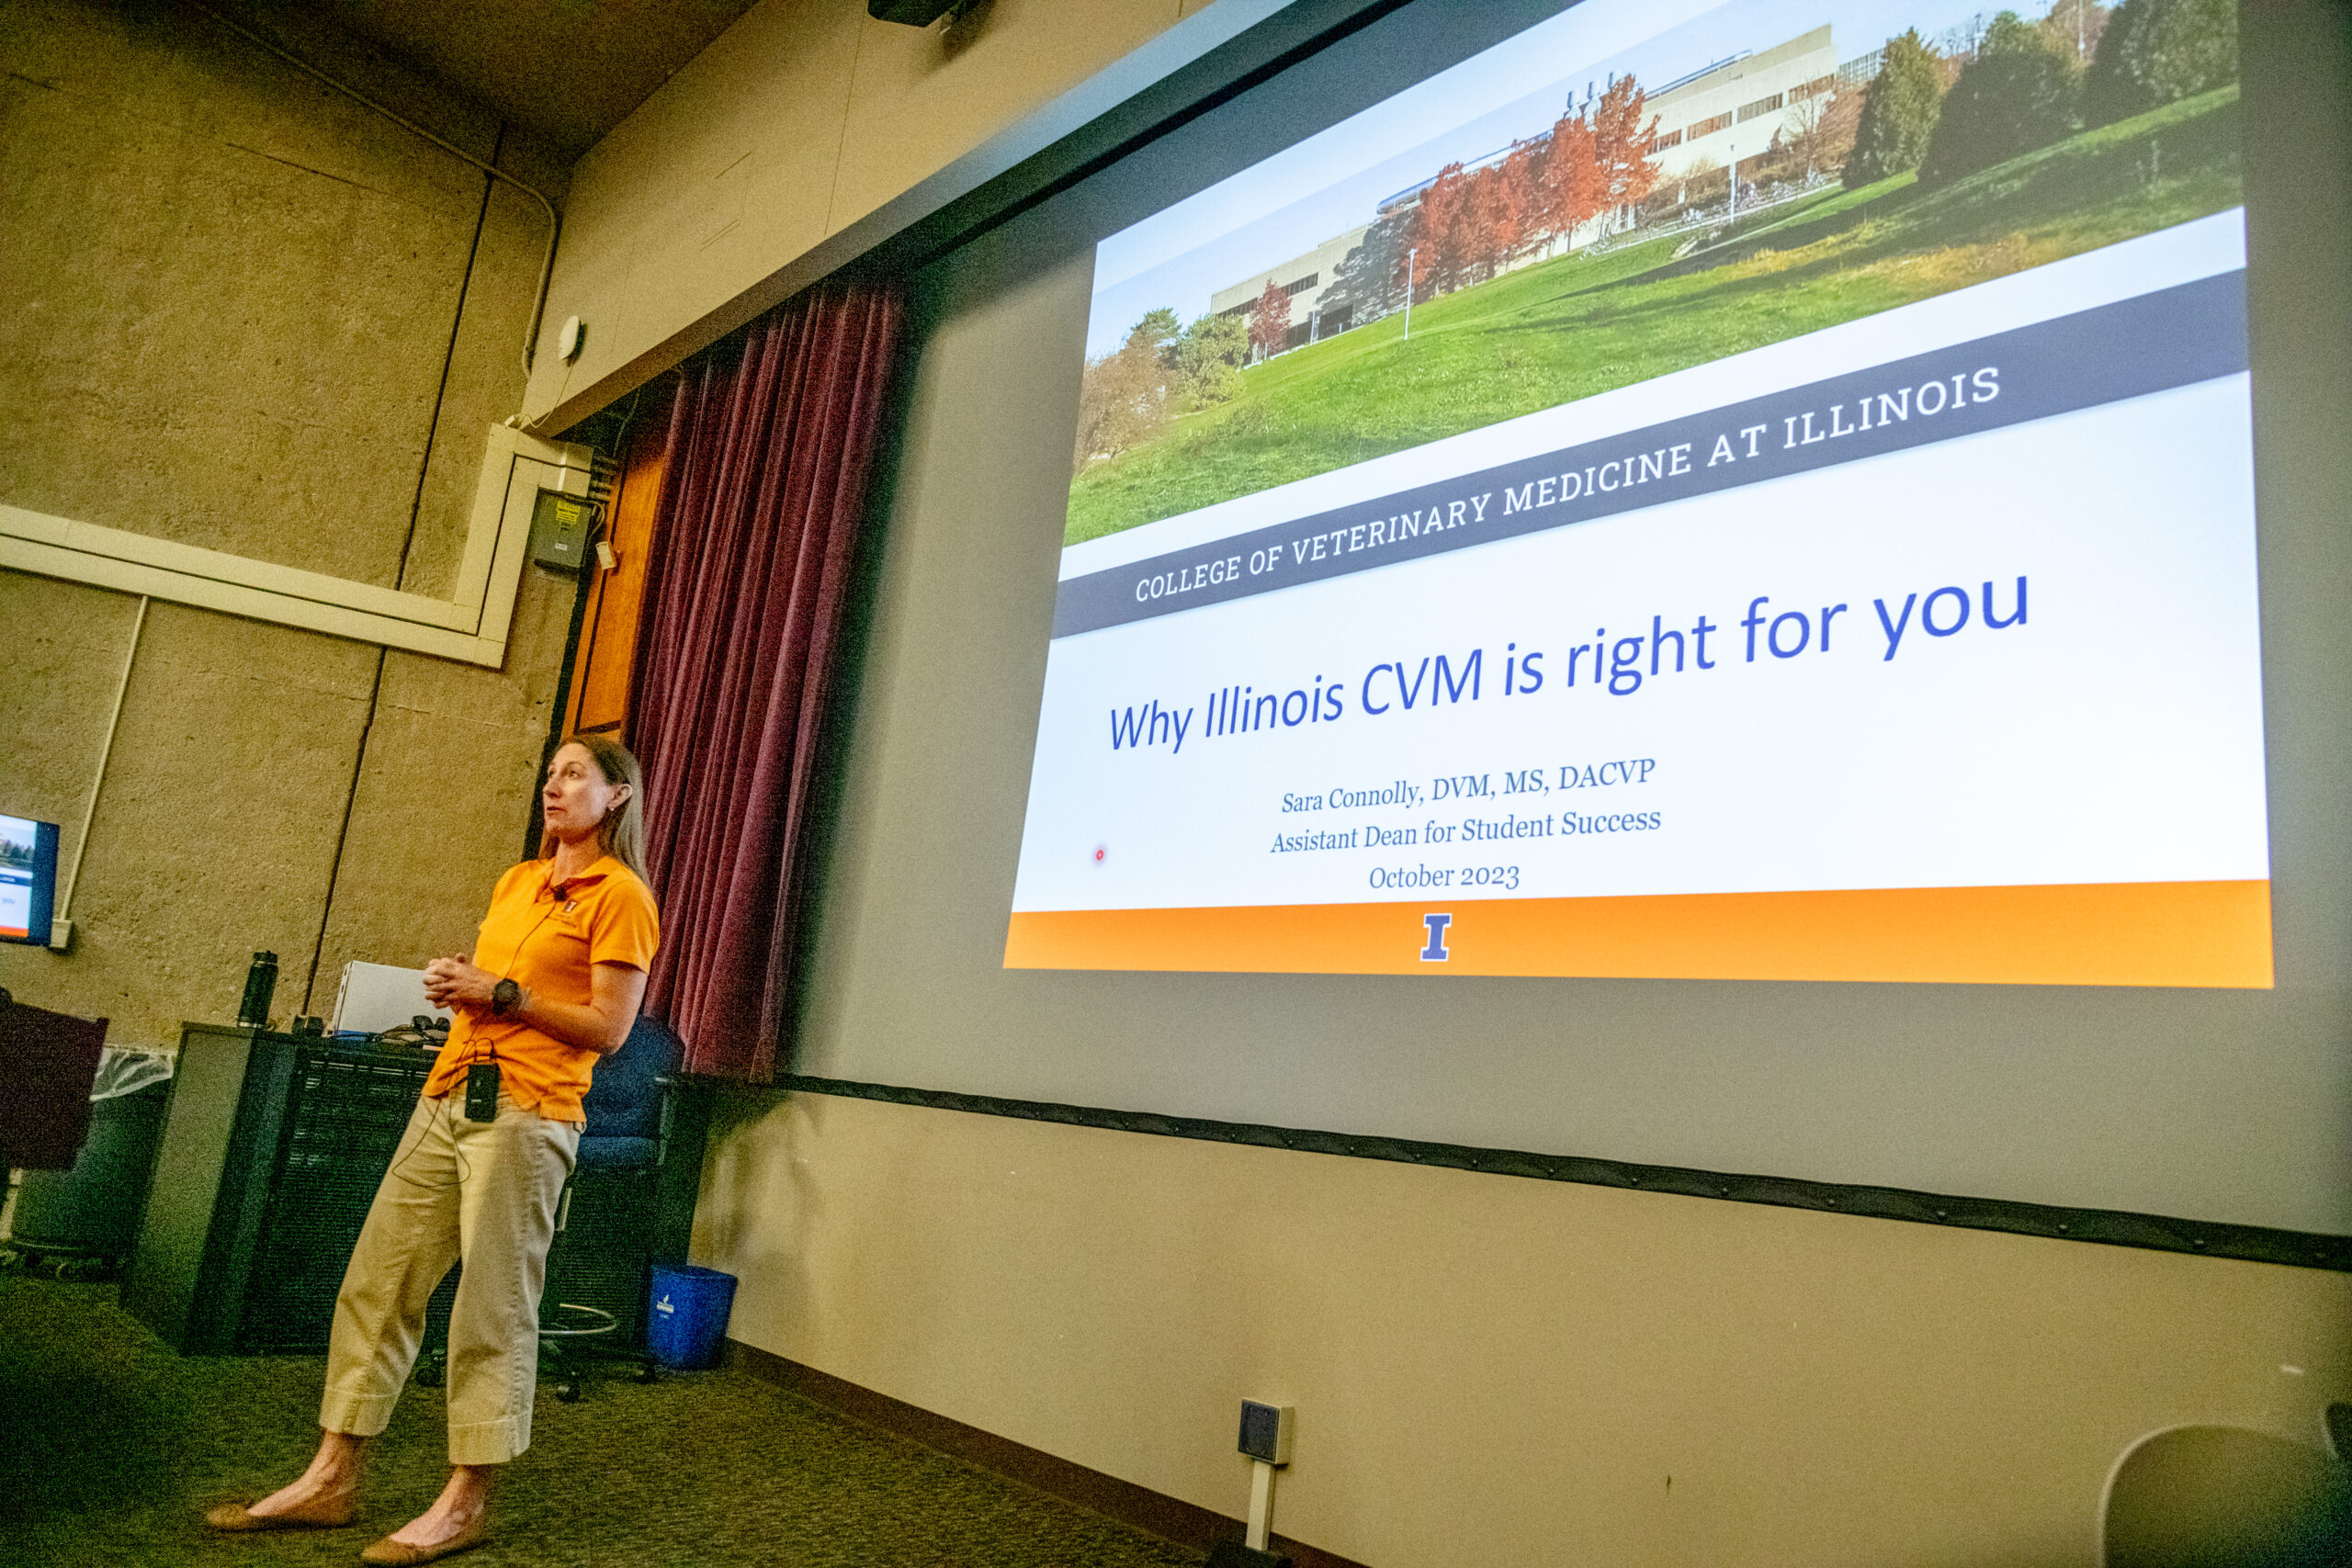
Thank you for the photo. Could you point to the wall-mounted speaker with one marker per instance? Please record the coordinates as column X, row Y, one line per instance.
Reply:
column 1265, row 1431
column 912, row 13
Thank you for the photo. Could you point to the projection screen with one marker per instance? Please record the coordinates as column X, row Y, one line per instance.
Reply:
column 1494, row 588
column 1687, row 595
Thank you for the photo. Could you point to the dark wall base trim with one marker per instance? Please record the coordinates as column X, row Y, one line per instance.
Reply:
column 2110, row 1227
column 1170, row 1518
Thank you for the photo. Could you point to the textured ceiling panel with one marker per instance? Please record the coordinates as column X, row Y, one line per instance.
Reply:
column 566, row 71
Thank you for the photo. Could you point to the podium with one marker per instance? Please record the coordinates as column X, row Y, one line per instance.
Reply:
column 271, row 1150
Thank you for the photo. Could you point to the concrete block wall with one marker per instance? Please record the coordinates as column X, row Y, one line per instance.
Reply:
column 240, row 310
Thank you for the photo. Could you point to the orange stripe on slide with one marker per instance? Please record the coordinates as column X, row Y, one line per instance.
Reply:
column 2127, row 934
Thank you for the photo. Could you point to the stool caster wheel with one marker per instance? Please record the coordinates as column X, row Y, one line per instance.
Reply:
column 568, row 1392
column 432, row 1374
column 649, row 1372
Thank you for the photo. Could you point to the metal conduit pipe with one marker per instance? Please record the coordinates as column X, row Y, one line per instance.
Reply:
column 64, row 909
column 555, row 221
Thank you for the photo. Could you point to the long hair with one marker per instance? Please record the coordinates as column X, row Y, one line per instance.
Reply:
column 622, row 832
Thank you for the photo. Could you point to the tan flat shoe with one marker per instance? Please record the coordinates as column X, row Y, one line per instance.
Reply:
column 399, row 1554
column 322, row 1514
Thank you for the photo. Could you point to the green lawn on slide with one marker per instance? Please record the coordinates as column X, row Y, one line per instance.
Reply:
column 1580, row 325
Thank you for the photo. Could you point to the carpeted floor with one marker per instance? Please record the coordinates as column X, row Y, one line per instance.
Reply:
column 111, row 1446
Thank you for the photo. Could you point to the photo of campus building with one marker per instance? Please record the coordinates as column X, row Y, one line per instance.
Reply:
column 1737, row 106
column 1729, row 109
column 1769, row 191
column 1305, row 279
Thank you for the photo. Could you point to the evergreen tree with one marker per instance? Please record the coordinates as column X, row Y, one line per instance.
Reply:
column 2155, row 51
column 2019, row 92
column 1208, row 357
column 1899, row 112
column 1158, row 331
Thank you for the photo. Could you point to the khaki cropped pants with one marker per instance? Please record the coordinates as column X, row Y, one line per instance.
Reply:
column 484, row 1191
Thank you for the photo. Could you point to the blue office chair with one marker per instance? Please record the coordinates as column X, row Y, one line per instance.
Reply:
column 627, row 1110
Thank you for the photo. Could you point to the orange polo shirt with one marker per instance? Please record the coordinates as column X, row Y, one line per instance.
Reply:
column 547, row 937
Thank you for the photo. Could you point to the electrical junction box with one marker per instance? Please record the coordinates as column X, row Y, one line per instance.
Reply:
column 559, row 530
column 1265, row 1430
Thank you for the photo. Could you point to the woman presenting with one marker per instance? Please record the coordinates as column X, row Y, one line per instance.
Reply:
column 552, row 984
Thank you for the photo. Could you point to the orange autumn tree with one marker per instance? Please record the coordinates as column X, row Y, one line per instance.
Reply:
column 1270, row 320
column 1568, row 189
column 1494, row 215
column 1622, row 142
column 1513, row 207
column 1440, row 232
column 1479, row 220
column 1467, row 228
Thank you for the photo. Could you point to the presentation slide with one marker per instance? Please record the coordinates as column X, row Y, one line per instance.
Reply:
column 1611, row 510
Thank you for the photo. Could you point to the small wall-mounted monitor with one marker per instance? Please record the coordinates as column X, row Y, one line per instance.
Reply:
column 27, row 879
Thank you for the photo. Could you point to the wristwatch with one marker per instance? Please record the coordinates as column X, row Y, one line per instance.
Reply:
column 503, row 997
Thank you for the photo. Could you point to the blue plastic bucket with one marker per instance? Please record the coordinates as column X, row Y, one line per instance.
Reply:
column 686, row 1322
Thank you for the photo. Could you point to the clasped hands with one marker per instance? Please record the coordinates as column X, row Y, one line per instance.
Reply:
column 454, row 981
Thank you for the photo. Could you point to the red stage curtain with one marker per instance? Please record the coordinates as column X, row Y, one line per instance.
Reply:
column 771, row 441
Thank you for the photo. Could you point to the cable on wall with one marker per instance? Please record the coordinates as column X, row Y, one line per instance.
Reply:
column 99, row 782
column 555, row 221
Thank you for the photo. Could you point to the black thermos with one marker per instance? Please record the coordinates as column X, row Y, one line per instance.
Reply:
column 261, row 984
